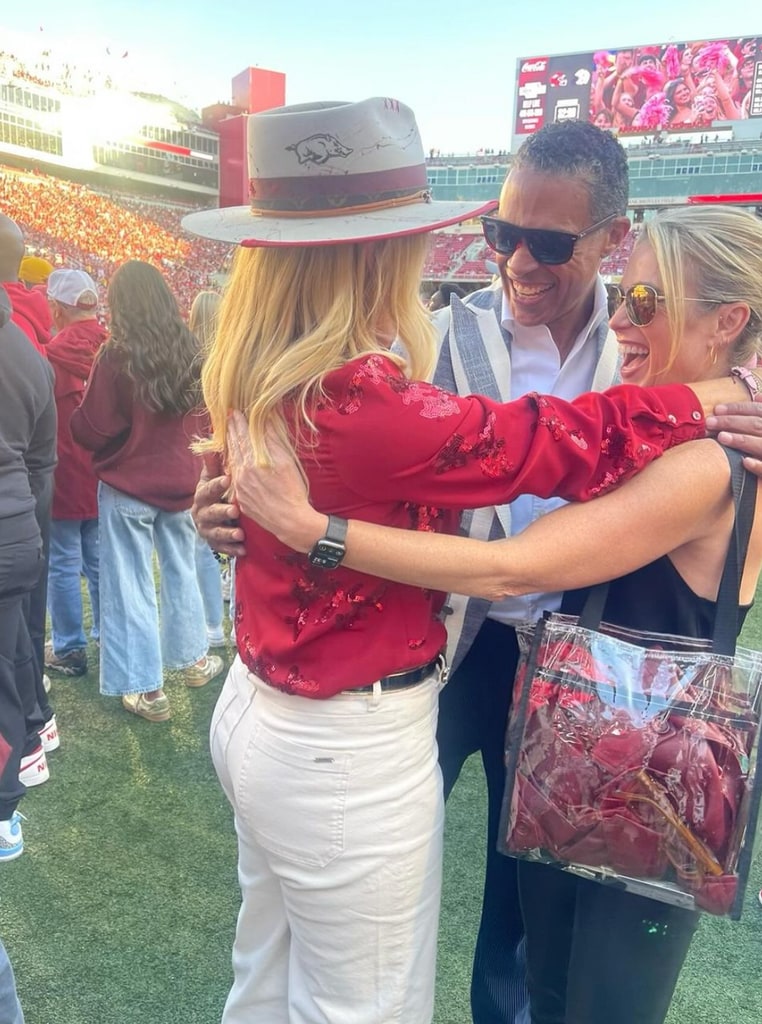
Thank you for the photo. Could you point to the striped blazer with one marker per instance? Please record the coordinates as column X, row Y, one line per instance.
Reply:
column 474, row 358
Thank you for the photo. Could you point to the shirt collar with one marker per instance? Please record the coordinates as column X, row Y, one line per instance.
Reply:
column 599, row 314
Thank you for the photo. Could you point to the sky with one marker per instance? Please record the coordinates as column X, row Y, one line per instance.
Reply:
column 452, row 61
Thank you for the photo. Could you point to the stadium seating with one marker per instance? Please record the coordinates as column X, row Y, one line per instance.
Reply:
column 613, row 265
column 458, row 257
column 75, row 226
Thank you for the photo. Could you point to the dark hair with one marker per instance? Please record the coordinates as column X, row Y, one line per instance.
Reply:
column 440, row 298
column 448, row 290
column 580, row 150
column 669, row 90
column 156, row 348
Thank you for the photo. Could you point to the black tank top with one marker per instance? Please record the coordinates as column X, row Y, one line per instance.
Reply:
column 655, row 598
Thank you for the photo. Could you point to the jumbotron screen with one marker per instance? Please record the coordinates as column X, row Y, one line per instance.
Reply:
column 643, row 89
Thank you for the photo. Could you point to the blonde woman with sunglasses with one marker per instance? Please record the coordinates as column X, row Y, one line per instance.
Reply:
column 689, row 307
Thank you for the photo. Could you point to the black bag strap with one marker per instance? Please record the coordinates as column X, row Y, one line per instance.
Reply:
column 725, row 633
column 744, row 488
column 592, row 611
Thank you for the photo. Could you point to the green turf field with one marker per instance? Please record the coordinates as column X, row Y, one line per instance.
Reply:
column 123, row 906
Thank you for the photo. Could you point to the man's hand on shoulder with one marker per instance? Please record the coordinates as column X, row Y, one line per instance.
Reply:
column 739, row 425
column 216, row 518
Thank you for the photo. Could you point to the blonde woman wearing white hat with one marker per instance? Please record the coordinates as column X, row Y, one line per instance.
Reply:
column 324, row 734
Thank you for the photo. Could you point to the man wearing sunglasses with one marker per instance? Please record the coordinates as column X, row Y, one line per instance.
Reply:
column 542, row 327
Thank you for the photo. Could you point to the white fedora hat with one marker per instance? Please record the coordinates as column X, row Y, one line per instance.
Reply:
column 324, row 173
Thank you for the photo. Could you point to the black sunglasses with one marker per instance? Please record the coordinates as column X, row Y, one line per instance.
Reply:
column 545, row 245
column 641, row 302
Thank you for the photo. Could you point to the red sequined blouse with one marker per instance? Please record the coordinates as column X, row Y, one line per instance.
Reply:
column 407, row 454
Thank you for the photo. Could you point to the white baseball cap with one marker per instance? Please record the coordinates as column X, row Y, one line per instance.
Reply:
column 73, row 288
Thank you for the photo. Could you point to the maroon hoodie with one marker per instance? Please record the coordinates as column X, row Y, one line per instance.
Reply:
column 71, row 353
column 30, row 313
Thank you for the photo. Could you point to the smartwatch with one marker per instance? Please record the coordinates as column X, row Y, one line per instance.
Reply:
column 329, row 551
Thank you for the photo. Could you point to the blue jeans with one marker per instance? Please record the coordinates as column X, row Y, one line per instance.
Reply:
column 210, row 583
column 10, row 1009
column 73, row 551
column 136, row 643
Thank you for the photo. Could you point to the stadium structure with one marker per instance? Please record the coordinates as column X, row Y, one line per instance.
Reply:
column 76, row 125
column 69, row 121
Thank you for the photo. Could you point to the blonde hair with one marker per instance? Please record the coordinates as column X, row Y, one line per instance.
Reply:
column 713, row 253
column 292, row 315
column 202, row 317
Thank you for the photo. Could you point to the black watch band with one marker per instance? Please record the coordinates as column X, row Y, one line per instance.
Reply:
column 329, row 551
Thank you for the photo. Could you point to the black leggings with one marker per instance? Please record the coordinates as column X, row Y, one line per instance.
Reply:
column 597, row 954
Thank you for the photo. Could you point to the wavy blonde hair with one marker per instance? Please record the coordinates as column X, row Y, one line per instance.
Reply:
column 713, row 253
column 202, row 319
column 292, row 315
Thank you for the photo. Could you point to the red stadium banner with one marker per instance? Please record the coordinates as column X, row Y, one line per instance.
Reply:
column 642, row 89
column 165, row 147
column 741, row 198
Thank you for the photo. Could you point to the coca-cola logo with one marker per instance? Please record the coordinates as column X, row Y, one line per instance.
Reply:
column 534, row 65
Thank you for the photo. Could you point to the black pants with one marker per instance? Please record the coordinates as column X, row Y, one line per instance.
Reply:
column 20, row 567
column 35, row 608
column 596, row 954
column 473, row 711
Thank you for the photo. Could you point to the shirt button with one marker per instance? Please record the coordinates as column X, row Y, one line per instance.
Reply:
column 671, row 418
column 696, row 415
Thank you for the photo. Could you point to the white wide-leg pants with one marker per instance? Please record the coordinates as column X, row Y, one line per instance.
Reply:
column 339, row 815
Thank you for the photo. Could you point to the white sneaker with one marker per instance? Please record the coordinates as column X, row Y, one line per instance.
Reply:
column 49, row 736
column 215, row 637
column 203, row 671
column 225, row 581
column 11, row 839
column 34, row 768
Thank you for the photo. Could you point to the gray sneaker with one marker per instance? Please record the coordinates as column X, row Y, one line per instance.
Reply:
column 72, row 664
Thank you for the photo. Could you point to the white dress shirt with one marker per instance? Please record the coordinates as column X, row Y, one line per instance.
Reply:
column 536, row 366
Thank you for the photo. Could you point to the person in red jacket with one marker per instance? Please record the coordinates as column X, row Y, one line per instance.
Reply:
column 73, row 299
column 29, row 310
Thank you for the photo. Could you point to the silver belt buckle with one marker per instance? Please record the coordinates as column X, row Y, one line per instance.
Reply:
column 444, row 670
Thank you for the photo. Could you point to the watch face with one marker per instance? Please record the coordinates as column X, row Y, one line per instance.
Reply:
column 327, row 554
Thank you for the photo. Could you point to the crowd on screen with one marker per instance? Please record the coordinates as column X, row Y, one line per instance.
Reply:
column 673, row 86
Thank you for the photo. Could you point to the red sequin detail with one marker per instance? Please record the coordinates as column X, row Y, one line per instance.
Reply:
column 488, row 450
column 319, row 598
column 617, row 445
column 375, row 369
column 254, row 659
column 425, row 518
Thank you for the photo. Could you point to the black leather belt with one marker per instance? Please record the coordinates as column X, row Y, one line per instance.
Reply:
column 400, row 680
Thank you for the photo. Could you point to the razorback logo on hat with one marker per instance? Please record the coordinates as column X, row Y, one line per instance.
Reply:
column 359, row 175
column 317, row 149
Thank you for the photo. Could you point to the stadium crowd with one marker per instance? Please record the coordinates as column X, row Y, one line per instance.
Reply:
column 72, row 225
